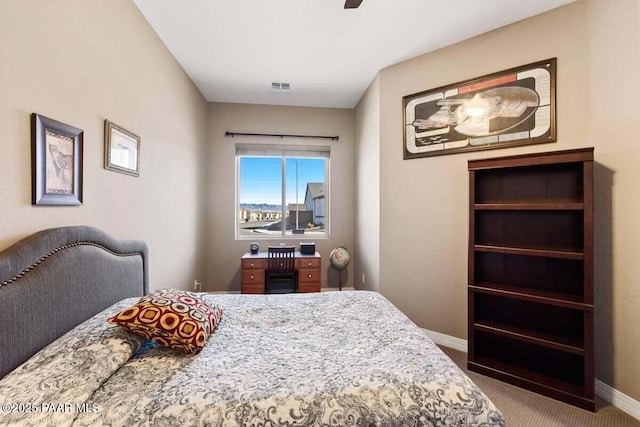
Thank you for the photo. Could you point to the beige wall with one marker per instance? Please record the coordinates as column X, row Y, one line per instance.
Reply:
column 367, row 189
column 423, row 258
column 81, row 62
column 223, row 251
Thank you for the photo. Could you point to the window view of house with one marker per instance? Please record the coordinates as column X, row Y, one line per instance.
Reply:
column 281, row 196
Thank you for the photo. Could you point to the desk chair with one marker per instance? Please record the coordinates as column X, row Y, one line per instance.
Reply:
column 281, row 275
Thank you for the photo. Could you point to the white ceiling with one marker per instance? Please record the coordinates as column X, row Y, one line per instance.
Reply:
column 233, row 50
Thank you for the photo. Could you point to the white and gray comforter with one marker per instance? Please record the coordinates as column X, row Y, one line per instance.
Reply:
column 323, row 359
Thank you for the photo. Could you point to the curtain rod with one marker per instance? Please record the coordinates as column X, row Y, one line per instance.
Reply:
column 232, row 134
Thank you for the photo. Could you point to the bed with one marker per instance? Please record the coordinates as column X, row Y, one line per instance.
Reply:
column 323, row 359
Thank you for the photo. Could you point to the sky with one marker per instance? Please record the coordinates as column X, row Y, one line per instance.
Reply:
column 261, row 178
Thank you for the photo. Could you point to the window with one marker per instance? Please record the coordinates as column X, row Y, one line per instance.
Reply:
column 282, row 191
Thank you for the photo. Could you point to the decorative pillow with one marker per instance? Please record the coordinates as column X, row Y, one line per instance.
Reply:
column 177, row 319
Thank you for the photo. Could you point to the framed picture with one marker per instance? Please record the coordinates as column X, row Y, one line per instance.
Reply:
column 121, row 149
column 503, row 109
column 56, row 157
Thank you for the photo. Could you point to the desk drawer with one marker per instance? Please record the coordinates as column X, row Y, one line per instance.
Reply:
column 307, row 275
column 308, row 262
column 252, row 277
column 259, row 264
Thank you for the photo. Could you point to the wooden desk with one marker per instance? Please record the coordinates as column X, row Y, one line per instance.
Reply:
column 253, row 266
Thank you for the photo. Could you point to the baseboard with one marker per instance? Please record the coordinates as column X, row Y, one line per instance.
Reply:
column 616, row 398
column 447, row 340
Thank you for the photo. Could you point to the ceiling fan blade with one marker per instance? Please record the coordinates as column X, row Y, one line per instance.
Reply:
column 352, row 4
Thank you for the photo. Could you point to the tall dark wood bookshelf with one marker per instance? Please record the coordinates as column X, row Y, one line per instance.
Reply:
column 530, row 288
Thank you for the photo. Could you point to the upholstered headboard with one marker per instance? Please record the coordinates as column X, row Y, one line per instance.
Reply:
column 56, row 279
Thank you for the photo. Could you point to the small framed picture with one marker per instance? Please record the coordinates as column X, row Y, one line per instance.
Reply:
column 121, row 150
column 56, row 162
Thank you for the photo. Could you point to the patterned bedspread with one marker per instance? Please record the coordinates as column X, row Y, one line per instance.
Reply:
column 323, row 359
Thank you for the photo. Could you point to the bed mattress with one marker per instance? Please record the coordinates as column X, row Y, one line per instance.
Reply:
column 323, row 359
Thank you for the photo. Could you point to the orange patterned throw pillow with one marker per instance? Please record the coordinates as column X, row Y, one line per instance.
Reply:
column 173, row 318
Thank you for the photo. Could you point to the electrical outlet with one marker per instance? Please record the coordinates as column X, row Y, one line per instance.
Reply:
column 363, row 278
column 197, row 286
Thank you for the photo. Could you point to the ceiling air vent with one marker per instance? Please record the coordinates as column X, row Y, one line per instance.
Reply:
column 280, row 87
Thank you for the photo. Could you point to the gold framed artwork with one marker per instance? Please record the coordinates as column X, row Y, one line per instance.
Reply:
column 121, row 150
column 504, row 109
column 56, row 162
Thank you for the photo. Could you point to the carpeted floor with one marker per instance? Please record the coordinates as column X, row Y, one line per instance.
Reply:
column 522, row 408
